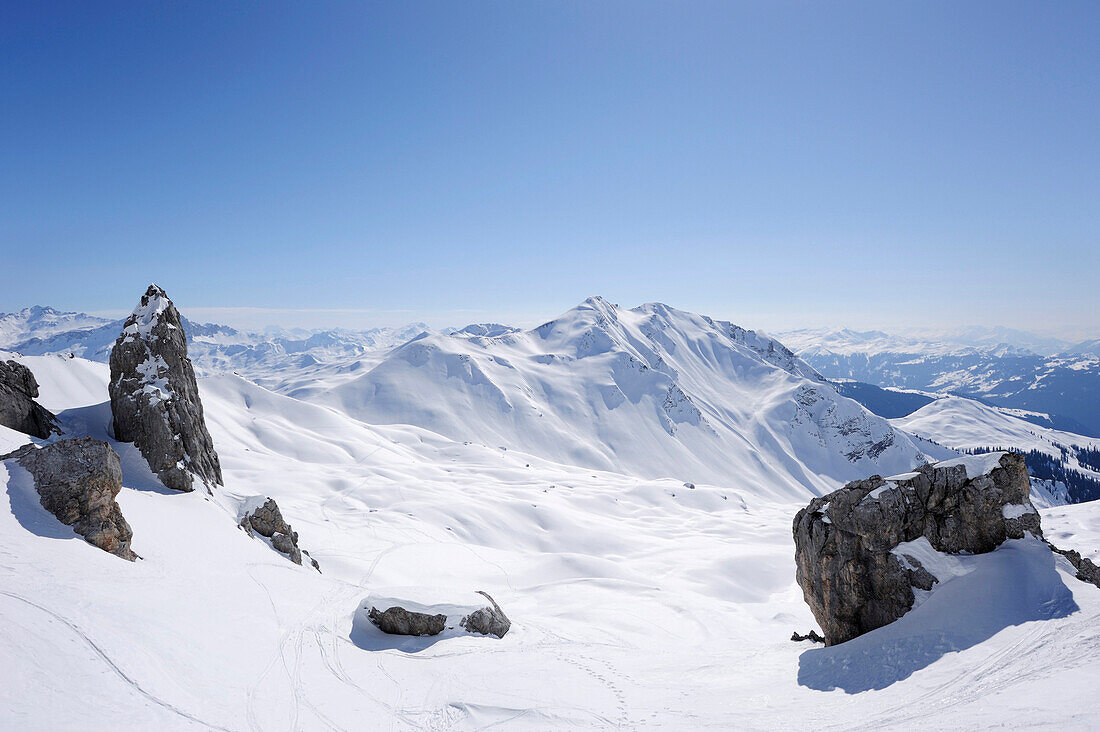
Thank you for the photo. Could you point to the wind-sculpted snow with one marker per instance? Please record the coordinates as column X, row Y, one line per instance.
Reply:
column 652, row 391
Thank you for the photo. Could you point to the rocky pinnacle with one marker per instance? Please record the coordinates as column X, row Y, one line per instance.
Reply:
column 155, row 399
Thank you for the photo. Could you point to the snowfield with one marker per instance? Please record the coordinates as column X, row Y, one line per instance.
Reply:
column 653, row 391
column 637, row 601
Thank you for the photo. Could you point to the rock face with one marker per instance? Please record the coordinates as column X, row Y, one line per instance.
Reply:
column 854, row 575
column 399, row 621
column 488, row 620
column 18, row 410
column 154, row 397
column 77, row 481
column 262, row 516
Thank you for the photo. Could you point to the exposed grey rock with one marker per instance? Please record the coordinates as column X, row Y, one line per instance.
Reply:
column 487, row 620
column 18, row 410
column 267, row 520
column 154, row 397
column 1086, row 570
column 851, row 578
column 811, row 636
column 77, row 481
column 399, row 621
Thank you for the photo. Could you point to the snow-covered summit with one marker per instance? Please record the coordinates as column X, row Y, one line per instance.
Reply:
column 653, row 391
column 42, row 322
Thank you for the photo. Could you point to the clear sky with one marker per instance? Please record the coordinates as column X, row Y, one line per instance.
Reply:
column 779, row 164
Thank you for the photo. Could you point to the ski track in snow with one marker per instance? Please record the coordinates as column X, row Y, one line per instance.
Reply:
column 636, row 602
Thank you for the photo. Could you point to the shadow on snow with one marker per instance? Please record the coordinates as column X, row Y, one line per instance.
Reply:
column 1017, row 583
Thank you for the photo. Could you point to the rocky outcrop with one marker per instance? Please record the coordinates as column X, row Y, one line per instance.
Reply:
column 18, row 410
column 850, row 546
column 261, row 515
column 811, row 636
column 487, row 620
column 77, row 481
column 1086, row 570
column 399, row 621
column 155, row 399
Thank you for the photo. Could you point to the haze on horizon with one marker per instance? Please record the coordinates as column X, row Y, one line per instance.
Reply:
column 863, row 165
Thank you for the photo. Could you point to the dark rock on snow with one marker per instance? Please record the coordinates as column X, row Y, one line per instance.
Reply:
column 267, row 520
column 487, row 620
column 18, row 410
column 154, row 397
column 811, row 636
column 77, row 481
column 851, row 578
column 399, row 621
column 1086, row 570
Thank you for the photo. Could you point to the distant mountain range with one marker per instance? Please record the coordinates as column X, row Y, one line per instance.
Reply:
column 1064, row 385
column 652, row 390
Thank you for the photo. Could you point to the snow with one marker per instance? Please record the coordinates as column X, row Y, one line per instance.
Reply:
column 154, row 371
column 942, row 566
column 651, row 391
column 975, row 464
column 146, row 315
column 874, row 495
column 636, row 603
column 1017, row 610
column 1016, row 510
column 967, row 424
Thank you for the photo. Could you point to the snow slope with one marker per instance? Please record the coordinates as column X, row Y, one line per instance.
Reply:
column 636, row 603
column 653, row 391
column 966, row 424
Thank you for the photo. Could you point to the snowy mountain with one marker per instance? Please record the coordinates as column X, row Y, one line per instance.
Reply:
column 1070, row 471
column 269, row 357
column 42, row 322
column 929, row 342
column 1089, row 348
column 651, row 391
column 1066, row 387
column 635, row 602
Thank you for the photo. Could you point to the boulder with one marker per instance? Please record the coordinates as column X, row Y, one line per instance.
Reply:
column 18, row 408
column 431, row 611
column 399, row 621
column 487, row 620
column 850, row 546
column 155, row 399
column 77, row 481
column 261, row 515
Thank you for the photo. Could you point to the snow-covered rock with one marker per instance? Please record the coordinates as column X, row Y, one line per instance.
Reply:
column 422, row 612
column 861, row 550
column 261, row 515
column 154, row 398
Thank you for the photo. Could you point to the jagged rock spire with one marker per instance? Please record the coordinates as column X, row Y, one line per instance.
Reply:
column 155, row 399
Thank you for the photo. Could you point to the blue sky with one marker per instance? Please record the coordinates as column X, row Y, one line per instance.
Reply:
column 779, row 164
